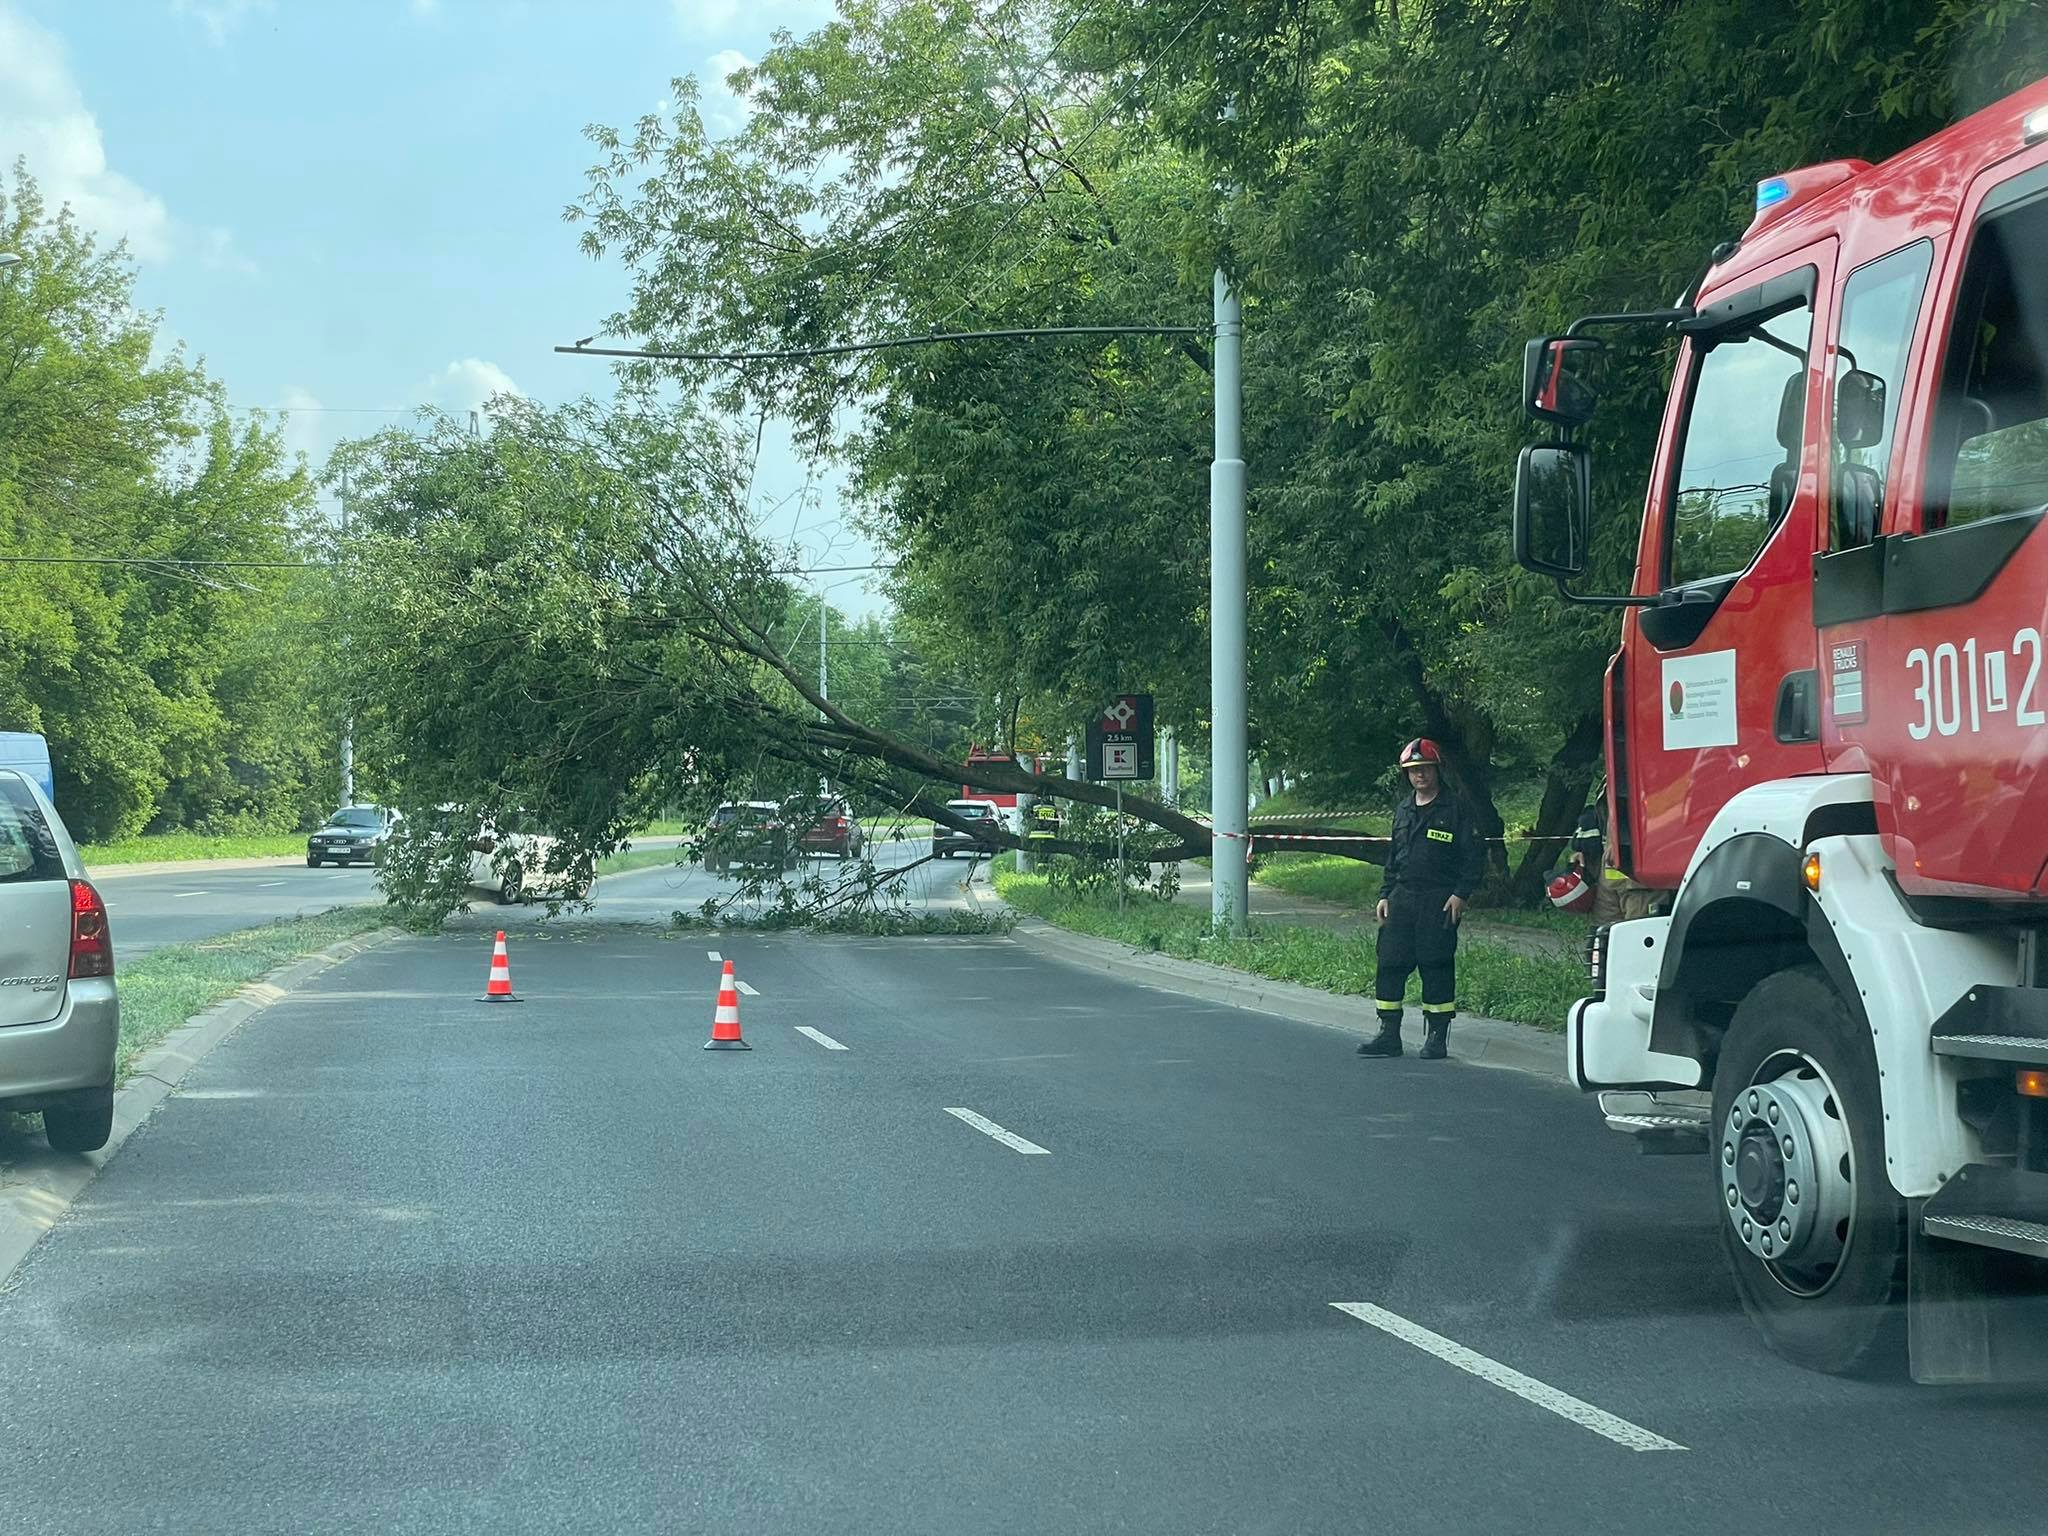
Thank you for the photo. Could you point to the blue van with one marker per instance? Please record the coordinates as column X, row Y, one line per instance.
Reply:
column 29, row 755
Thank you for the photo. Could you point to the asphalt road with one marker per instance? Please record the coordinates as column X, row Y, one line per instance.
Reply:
column 146, row 912
column 181, row 906
column 396, row 1259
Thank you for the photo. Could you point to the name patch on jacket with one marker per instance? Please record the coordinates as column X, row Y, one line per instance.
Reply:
column 1439, row 835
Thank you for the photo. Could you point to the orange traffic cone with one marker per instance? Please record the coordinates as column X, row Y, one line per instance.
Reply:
column 499, row 988
column 725, row 1023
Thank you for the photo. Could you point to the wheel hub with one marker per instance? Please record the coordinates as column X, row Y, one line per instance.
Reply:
column 1787, row 1179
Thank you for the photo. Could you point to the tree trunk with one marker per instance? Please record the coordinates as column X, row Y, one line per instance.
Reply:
column 1564, row 796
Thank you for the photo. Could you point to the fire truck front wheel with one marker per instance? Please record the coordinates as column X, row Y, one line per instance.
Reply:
column 1814, row 1232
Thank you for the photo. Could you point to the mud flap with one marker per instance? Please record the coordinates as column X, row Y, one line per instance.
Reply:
column 1974, row 1315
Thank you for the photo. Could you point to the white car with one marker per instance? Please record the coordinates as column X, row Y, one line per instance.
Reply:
column 512, row 866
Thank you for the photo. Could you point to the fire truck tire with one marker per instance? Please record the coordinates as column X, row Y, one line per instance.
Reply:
column 1814, row 1232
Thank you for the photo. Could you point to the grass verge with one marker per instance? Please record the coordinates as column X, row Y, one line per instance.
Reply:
column 1493, row 982
column 180, row 846
column 1321, row 877
column 637, row 858
column 167, row 986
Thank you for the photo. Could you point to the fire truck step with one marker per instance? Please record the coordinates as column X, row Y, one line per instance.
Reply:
column 2006, row 1232
column 2020, row 1048
column 1992, row 1023
column 1673, row 1123
column 1991, row 1206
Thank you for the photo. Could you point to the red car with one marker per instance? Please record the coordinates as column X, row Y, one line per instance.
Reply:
column 832, row 830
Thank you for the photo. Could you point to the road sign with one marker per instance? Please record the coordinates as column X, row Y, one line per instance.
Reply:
column 1120, row 739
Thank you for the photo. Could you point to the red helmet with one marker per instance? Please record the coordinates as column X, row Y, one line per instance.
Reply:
column 1421, row 752
column 1571, row 892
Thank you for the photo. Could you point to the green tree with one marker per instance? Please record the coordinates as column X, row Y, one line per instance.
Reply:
column 117, row 467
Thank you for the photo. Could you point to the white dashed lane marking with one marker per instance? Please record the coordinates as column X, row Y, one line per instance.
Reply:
column 745, row 988
column 821, row 1037
column 1508, row 1379
column 1009, row 1139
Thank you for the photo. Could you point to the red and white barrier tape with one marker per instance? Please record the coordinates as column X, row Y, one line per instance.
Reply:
column 1372, row 837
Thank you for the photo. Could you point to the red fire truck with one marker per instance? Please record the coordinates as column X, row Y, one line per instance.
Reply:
column 1825, row 723
column 1006, row 798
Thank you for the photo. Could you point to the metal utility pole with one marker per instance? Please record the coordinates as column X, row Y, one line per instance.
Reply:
column 824, row 785
column 1169, row 773
column 1229, row 728
column 348, row 723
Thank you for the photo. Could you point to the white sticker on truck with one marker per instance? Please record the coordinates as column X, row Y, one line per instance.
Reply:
column 1845, row 681
column 1699, row 701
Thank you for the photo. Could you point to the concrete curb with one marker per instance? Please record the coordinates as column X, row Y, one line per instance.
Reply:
column 45, row 1189
column 1477, row 1042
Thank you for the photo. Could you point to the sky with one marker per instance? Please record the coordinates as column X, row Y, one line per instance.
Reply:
column 352, row 208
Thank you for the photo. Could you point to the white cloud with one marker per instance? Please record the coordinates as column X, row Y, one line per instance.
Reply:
column 304, row 429
column 44, row 120
column 724, row 111
column 218, row 17
column 466, row 384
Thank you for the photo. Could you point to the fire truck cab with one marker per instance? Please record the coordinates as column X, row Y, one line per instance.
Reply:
column 1827, row 742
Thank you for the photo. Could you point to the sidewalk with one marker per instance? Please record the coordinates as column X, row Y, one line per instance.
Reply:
column 1275, row 906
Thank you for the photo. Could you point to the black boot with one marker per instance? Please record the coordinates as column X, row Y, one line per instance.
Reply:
column 1388, row 1041
column 1436, row 1036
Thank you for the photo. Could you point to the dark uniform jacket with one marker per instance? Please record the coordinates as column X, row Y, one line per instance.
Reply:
column 1436, row 848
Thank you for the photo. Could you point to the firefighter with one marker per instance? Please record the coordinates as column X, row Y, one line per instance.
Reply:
column 1435, row 858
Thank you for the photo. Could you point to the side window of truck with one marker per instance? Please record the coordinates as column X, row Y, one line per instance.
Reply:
column 1991, row 432
column 1744, row 428
column 1880, row 302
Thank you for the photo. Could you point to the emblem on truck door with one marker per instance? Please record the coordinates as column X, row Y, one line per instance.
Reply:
column 1699, row 701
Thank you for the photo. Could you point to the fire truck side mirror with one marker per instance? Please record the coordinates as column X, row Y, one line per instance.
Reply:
column 1553, row 509
column 1859, row 410
column 1551, row 390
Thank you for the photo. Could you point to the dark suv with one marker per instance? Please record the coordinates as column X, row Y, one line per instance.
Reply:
column 947, row 841
column 748, row 835
column 352, row 835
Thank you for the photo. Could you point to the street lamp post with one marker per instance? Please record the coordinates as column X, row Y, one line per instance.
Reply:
column 1228, row 727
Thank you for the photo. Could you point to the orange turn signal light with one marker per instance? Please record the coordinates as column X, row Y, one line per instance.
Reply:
column 2031, row 1082
column 1811, row 870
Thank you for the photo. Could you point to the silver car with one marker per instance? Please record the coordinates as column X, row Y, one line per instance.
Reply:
column 60, row 1018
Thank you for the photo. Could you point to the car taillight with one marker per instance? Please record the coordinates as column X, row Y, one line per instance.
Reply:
column 839, row 824
column 92, row 948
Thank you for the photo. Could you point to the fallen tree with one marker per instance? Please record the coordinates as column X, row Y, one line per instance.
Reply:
column 570, row 621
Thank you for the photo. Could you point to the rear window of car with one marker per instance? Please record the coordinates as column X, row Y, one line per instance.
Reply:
column 28, row 849
column 971, row 812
